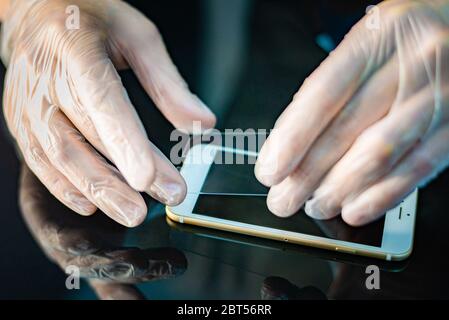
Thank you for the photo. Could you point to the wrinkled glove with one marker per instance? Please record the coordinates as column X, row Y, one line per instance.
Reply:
column 66, row 106
column 371, row 123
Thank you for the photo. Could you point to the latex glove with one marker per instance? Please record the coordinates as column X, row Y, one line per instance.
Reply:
column 63, row 98
column 94, row 248
column 370, row 124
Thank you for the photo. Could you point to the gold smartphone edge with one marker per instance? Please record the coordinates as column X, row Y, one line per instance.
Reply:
column 262, row 234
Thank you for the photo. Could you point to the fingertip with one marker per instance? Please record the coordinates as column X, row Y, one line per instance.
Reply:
column 137, row 217
column 276, row 208
column 73, row 199
column 280, row 212
column 87, row 210
column 279, row 204
column 141, row 177
column 195, row 124
column 267, row 181
column 310, row 211
column 124, row 206
column 178, row 196
column 168, row 192
column 188, row 114
column 360, row 213
column 210, row 120
column 267, row 169
column 314, row 209
column 265, row 175
column 206, row 114
column 356, row 220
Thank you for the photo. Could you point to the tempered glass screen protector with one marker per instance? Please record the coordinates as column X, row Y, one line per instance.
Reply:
column 232, row 192
column 227, row 177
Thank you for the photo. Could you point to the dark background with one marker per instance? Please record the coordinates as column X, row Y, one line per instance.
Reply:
column 275, row 53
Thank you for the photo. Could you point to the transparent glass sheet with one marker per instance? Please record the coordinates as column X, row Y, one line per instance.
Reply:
column 232, row 174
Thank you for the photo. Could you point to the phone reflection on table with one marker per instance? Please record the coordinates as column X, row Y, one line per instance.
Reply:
column 290, row 267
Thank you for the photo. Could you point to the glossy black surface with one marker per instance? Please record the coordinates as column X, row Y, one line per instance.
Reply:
column 251, row 72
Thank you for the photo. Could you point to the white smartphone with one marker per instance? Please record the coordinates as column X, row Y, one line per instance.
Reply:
column 228, row 197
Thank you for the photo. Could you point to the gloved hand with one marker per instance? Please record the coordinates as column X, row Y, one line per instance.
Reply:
column 371, row 123
column 65, row 104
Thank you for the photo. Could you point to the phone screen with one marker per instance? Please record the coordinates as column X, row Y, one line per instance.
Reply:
column 232, row 192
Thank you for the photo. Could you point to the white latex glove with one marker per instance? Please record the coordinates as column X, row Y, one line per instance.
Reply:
column 370, row 124
column 64, row 101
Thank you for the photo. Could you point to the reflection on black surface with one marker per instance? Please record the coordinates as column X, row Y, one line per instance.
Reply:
column 277, row 288
column 253, row 210
column 93, row 245
column 185, row 232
